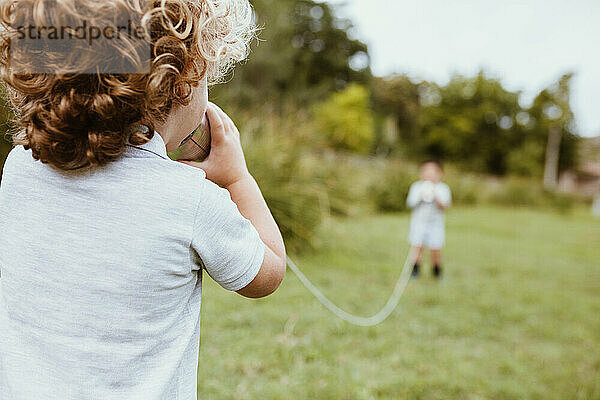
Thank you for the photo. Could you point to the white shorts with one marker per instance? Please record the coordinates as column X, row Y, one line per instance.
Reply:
column 431, row 234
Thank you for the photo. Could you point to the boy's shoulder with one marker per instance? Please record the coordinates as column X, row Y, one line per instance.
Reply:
column 16, row 152
column 16, row 160
column 195, row 184
column 191, row 183
column 444, row 185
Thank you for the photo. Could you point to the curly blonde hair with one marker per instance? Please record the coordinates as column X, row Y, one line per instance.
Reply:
column 73, row 120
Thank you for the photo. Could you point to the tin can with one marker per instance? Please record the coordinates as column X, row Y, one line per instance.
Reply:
column 196, row 146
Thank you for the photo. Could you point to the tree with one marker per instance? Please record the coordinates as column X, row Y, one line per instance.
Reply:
column 304, row 53
column 470, row 121
column 480, row 125
column 551, row 111
column 397, row 99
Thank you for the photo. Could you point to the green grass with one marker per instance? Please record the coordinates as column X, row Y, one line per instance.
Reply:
column 517, row 316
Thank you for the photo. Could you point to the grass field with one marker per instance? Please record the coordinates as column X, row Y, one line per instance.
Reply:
column 516, row 317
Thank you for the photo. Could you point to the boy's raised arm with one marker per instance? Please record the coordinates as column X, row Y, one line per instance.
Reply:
column 414, row 196
column 246, row 194
column 226, row 167
column 443, row 196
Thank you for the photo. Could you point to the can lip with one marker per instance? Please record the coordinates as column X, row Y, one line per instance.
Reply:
column 184, row 141
column 205, row 121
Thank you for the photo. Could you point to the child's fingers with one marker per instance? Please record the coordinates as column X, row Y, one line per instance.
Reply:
column 227, row 120
column 217, row 126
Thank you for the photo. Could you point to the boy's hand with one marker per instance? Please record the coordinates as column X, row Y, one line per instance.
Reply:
column 438, row 198
column 225, row 163
column 428, row 191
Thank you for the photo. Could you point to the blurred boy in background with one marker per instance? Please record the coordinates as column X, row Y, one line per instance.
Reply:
column 428, row 198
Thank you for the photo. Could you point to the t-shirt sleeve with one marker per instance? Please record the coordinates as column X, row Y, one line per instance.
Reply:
column 229, row 247
column 414, row 195
column 444, row 194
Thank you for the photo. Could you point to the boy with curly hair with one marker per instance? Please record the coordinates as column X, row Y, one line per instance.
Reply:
column 103, row 238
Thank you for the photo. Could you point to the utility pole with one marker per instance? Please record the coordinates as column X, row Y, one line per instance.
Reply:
column 552, row 157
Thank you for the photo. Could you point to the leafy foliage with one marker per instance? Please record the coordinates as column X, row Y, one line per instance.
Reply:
column 345, row 119
column 304, row 52
column 552, row 107
column 476, row 123
column 470, row 121
column 397, row 97
column 390, row 189
column 276, row 161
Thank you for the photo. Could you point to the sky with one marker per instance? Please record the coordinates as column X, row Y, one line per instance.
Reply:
column 527, row 44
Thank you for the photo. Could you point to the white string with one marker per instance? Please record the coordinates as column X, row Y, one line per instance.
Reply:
column 375, row 319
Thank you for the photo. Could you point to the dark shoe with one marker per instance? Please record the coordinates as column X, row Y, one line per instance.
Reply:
column 415, row 271
column 437, row 271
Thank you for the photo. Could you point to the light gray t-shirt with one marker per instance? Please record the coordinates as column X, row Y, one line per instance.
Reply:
column 101, row 277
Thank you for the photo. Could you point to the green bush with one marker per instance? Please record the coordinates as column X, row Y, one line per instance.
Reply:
column 466, row 188
column 526, row 160
column 335, row 175
column 277, row 161
column 516, row 192
column 530, row 193
column 561, row 202
column 346, row 120
column 390, row 188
